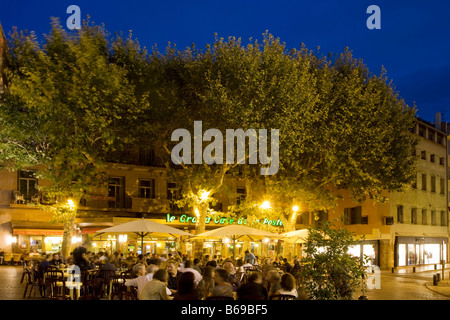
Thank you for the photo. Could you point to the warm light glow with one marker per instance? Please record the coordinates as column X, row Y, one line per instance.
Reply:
column 226, row 240
column 71, row 204
column 123, row 238
column 11, row 239
column 295, row 208
column 266, row 240
column 197, row 213
column 76, row 239
column 204, row 195
column 265, row 205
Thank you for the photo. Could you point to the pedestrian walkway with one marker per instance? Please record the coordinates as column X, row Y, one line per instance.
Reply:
column 10, row 286
column 442, row 287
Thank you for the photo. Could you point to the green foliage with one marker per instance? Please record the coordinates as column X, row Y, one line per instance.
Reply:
column 329, row 272
column 341, row 127
column 69, row 104
column 67, row 107
column 80, row 97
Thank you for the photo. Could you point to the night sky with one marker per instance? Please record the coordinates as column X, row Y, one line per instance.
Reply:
column 413, row 43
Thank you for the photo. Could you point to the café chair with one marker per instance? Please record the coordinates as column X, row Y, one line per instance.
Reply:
column 55, row 282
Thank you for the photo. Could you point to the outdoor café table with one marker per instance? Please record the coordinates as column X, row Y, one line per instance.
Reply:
column 73, row 282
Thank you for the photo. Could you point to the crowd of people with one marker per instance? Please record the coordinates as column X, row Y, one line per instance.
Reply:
column 176, row 276
column 180, row 278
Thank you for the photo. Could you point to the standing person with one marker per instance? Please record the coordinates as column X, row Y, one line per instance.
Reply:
column 80, row 258
column 156, row 289
column 2, row 256
column 174, row 275
column 249, row 258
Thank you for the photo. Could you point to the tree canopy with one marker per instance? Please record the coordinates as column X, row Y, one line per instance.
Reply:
column 81, row 96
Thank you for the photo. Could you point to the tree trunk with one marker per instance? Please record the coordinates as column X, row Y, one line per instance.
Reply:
column 200, row 228
column 67, row 235
column 288, row 248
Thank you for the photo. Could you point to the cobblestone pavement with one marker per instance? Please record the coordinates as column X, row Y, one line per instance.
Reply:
column 10, row 286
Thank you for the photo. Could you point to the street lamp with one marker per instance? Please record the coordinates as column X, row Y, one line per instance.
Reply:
column 295, row 208
column 265, row 205
column 204, row 195
column 71, row 204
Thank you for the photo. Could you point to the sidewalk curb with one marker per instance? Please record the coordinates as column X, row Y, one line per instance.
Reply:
column 429, row 286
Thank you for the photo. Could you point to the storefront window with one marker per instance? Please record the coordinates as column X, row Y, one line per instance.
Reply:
column 401, row 254
column 411, row 254
column 52, row 244
column 431, row 253
column 369, row 254
column 368, row 257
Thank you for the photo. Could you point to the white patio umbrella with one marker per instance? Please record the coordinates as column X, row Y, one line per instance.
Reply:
column 235, row 232
column 143, row 227
column 297, row 236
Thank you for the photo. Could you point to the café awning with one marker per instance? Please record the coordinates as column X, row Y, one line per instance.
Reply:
column 143, row 227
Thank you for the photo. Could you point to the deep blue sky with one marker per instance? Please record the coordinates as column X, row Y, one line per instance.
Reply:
column 413, row 43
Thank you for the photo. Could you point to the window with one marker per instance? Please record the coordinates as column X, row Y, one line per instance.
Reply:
column 399, row 214
column 433, row 217
column 414, row 183
column 442, row 183
column 443, row 219
column 173, row 194
column 413, row 215
column 442, row 161
column 116, row 192
column 431, row 134
column 147, row 188
column 424, row 217
column 424, row 181
column 432, row 158
column 146, row 157
column 173, row 191
column 303, row 218
column 440, row 139
column 320, row 216
column 27, row 185
column 352, row 215
column 241, row 193
column 423, row 155
column 433, row 184
column 422, row 131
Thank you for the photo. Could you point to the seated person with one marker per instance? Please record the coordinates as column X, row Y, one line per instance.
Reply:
column 222, row 287
column 253, row 289
column 173, row 275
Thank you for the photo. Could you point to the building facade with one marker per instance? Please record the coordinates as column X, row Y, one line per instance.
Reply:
column 411, row 227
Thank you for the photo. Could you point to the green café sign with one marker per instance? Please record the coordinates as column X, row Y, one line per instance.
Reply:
column 220, row 220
